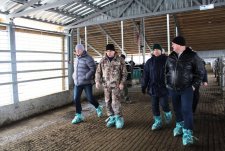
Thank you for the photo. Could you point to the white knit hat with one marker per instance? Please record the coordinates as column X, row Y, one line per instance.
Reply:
column 80, row 47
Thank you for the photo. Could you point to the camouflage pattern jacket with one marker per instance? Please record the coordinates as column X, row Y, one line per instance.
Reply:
column 111, row 74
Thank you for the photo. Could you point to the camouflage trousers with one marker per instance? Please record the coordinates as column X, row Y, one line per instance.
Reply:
column 112, row 100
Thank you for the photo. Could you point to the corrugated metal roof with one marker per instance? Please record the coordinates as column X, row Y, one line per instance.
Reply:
column 62, row 14
column 203, row 30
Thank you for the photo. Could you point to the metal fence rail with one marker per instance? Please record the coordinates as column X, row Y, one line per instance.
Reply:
column 31, row 65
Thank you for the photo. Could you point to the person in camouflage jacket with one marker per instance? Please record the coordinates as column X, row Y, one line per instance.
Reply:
column 111, row 73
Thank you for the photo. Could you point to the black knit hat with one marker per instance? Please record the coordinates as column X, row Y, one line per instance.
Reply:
column 123, row 56
column 179, row 40
column 157, row 46
column 110, row 47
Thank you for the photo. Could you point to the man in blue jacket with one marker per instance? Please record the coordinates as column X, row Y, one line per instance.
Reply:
column 83, row 76
column 154, row 81
column 184, row 73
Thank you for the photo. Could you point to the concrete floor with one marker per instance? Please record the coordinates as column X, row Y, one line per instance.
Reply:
column 53, row 130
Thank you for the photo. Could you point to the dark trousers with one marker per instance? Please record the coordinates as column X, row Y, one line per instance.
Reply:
column 182, row 105
column 163, row 101
column 196, row 97
column 89, row 95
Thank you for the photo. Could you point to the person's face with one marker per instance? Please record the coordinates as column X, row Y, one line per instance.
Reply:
column 176, row 47
column 110, row 53
column 157, row 52
column 78, row 52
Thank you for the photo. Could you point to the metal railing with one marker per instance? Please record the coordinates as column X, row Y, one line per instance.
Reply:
column 31, row 62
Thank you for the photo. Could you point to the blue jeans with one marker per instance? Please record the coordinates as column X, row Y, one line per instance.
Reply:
column 182, row 105
column 163, row 101
column 89, row 95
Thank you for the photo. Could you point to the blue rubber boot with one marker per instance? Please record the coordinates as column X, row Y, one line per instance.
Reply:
column 178, row 129
column 78, row 118
column 157, row 123
column 110, row 121
column 188, row 138
column 99, row 111
column 168, row 117
column 119, row 121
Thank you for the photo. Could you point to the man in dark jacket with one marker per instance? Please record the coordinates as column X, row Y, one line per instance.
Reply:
column 154, row 81
column 129, row 73
column 84, row 70
column 196, row 94
column 184, row 73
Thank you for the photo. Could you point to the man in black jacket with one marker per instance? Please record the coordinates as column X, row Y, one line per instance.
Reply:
column 184, row 73
column 129, row 73
column 196, row 94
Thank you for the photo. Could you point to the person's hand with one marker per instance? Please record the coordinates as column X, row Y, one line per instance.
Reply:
column 193, row 88
column 97, row 85
column 121, row 86
column 205, row 84
column 143, row 90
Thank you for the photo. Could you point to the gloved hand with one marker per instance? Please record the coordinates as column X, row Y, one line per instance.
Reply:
column 143, row 90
